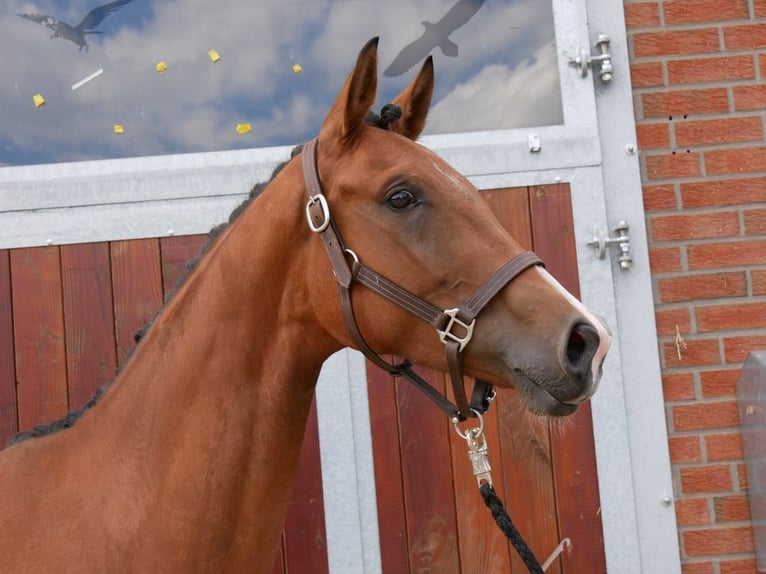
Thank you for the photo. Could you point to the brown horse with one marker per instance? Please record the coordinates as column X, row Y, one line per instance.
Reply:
column 185, row 462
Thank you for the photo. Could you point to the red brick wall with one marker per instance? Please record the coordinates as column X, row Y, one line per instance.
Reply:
column 698, row 69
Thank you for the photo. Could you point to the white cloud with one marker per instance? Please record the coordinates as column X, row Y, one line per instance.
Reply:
column 501, row 97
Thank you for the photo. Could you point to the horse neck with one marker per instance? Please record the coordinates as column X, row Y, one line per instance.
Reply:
column 212, row 406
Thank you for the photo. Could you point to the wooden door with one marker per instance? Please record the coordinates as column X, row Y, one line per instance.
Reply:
column 431, row 516
column 68, row 317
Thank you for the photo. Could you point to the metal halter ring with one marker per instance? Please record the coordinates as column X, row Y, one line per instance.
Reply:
column 325, row 212
column 475, row 434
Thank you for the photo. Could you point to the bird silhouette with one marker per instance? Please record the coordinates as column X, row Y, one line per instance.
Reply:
column 77, row 33
column 435, row 34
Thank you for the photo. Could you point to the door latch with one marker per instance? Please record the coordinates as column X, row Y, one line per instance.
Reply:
column 601, row 241
column 582, row 61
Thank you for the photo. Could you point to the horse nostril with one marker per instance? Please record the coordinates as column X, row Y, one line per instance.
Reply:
column 582, row 344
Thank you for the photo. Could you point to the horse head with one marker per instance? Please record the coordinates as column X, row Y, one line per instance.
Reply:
column 404, row 212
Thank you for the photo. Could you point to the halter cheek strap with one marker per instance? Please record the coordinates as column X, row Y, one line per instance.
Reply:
column 454, row 326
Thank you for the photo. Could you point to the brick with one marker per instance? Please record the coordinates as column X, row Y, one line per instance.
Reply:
column 714, row 541
column 758, row 278
column 708, row 478
column 755, row 221
column 718, row 69
column 723, row 192
column 760, row 8
column 727, row 254
column 731, row 316
column 696, row 352
column 705, row 416
column 641, row 14
column 719, row 383
column 659, row 197
column 729, row 130
column 747, row 37
column 726, row 446
column 692, row 512
column 663, row 259
column 736, row 160
column 736, row 349
column 685, row 102
column 741, row 566
column 749, row 97
column 707, row 286
column 688, row 11
column 734, row 508
column 697, row 568
column 684, row 449
column 646, row 74
column 678, row 386
column 695, row 226
column 742, row 477
column 670, row 166
column 649, row 44
column 668, row 320
column 653, row 136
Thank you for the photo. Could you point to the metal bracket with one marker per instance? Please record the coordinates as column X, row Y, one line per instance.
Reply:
column 601, row 241
column 583, row 60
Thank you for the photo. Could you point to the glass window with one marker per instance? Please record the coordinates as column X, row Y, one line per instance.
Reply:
column 91, row 80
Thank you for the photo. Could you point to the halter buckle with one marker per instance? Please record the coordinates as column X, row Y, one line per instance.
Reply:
column 448, row 335
column 322, row 200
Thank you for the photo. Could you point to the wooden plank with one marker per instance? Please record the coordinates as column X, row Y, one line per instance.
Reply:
column 8, row 410
column 511, row 208
column 177, row 253
column 573, row 451
column 38, row 325
column 305, row 537
column 88, row 318
column 527, row 477
column 430, row 506
column 392, row 524
column 483, row 547
column 136, row 288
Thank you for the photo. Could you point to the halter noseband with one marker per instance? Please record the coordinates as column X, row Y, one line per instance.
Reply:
column 454, row 326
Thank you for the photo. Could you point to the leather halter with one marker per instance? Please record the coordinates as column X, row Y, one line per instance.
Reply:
column 454, row 326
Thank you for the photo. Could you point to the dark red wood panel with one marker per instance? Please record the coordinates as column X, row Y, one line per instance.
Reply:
column 88, row 318
column 572, row 451
column 428, row 490
column 176, row 253
column 8, row 413
column 137, row 289
column 38, row 324
column 483, row 547
column 305, row 537
column 392, row 521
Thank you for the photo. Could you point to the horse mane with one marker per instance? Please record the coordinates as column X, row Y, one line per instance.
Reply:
column 388, row 114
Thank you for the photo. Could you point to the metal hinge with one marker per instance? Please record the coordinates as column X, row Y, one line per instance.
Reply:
column 582, row 60
column 601, row 241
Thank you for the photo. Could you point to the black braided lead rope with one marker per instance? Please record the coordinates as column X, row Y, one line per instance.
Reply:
column 505, row 524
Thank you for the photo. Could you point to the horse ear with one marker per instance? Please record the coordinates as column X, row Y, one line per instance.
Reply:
column 415, row 101
column 347, row 114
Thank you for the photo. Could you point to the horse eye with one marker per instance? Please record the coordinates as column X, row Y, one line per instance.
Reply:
column 401, row 199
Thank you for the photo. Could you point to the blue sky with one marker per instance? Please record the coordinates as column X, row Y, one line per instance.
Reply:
column 501, row 78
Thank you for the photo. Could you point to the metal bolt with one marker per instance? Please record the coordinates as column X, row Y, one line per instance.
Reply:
column 49, row 241
column 630, row 149
column 171, row 232
column 666, row 500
